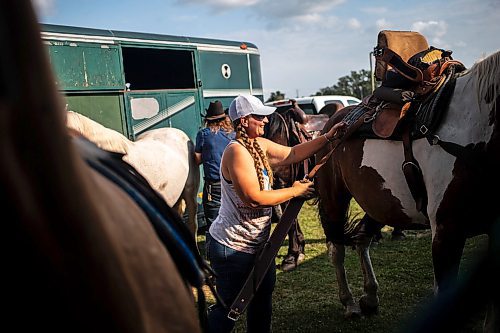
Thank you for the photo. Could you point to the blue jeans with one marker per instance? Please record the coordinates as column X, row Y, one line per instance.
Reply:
column 232, row 268
column 211, row 202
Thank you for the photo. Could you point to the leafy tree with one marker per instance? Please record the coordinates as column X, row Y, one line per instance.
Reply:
column 276, row 96
column 357, row 84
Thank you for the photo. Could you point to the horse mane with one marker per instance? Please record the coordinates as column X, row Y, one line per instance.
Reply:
column 274, row 128
column 103, row 137
column 487, row 74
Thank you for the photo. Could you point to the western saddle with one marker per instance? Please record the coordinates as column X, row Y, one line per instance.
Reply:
column 416, row 83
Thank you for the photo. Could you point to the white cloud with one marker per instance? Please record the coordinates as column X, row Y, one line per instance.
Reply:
column 354, row 23
column 374, row 10
column 383, row 24
column 44, row 7
column 289, row 9
column 275, row 13
column 434, row 31
column 226, row 4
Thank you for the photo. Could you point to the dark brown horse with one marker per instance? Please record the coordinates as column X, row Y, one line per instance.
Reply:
column 80, row 255
column 285, row 127
column 459, row 164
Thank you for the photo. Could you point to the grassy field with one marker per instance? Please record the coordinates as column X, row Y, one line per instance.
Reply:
column 306, row 300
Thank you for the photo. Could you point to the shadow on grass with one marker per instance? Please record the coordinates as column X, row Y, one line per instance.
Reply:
column 306, row 299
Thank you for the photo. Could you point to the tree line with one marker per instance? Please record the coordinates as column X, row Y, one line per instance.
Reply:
column 357, row 84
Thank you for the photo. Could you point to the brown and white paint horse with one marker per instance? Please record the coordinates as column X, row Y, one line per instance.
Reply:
column 462, row 191
column 79, row 254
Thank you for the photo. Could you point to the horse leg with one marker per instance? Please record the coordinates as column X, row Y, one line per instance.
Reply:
column 336, row 253
column 192, row 209
column 301, row 241
column 334, row 231
column 447, row 249
column 369, row 301
column 296, row 244
column 397, row 234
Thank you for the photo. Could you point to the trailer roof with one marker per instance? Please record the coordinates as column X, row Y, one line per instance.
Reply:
column 124, row 35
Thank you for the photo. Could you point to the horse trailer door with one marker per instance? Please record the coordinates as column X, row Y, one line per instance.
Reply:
column 162, row 89
column 90, row 77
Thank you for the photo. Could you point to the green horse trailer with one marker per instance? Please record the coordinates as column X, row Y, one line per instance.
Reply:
column 132, row 82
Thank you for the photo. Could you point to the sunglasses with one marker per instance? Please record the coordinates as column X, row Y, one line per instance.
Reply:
column 258, row 117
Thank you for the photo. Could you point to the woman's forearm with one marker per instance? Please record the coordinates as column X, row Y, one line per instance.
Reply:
column 304, row 150
column 271, row 198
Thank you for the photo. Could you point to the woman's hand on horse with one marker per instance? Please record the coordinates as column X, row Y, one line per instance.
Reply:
column 336, row 131
column 303, row 188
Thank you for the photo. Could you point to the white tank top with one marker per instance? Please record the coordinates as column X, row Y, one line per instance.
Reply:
column 238, row 225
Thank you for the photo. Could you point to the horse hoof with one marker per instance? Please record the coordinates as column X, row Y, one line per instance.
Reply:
column 288, row 264
column 288, row 267
column 368, row 305
column 352, row 312
column 398, row 237
column 301, row 258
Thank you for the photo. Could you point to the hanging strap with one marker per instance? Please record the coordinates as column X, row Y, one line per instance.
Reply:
column 268, row 252
column 413, row 173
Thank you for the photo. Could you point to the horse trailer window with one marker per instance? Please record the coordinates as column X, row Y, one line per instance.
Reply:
column 352, row 102
column 154, row 69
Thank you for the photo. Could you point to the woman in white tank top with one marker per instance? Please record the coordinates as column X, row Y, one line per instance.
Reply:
column 244, row 220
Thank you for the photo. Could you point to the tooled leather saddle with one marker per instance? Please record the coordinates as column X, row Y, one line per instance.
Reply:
column 417, row 82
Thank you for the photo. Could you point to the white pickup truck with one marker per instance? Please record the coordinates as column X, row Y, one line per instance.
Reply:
column 313, row 107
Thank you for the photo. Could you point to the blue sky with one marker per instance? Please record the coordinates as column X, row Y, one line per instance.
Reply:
column 305, row 45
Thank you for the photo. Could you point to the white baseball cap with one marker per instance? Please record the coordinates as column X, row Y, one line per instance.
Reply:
column 243, row 105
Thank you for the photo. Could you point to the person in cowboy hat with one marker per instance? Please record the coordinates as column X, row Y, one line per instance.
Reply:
column 210, row 143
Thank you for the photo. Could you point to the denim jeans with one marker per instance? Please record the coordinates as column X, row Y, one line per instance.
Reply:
column 211, row 202
column 232, row 268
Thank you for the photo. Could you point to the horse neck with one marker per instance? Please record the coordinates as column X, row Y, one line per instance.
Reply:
column 469, row 114
column 280, row 131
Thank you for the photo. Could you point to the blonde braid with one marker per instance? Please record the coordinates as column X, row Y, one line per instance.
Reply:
column 264, row 160
column 243, row 134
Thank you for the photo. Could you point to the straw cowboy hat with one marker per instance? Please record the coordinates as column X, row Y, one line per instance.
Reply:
column 215, row 111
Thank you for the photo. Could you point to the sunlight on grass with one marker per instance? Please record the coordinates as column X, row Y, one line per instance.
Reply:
column 306, row 299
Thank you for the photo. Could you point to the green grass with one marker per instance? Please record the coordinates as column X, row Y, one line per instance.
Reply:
column 306, row 300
